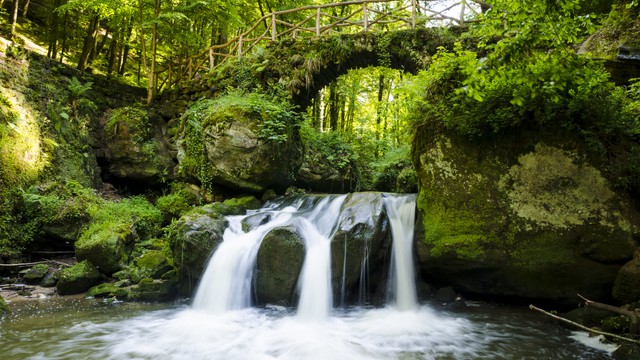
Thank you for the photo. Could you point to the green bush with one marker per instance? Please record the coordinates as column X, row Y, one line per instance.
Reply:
column 179, row 201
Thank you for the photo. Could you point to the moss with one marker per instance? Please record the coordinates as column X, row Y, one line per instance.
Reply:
column 181, row 199
column 103, row 290
column 255, row 138
column 620, row 28
column 116, row 227
column 36, row 274
column 4, row 308
column 78, row 278
column 246, row 203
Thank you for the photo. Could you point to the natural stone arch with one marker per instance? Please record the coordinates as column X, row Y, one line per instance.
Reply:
column 304, row 66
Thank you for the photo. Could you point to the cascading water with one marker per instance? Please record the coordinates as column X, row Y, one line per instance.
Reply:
column 401, row 211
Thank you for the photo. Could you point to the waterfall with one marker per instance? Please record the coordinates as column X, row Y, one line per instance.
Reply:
column 227, row 281
column 401, row 212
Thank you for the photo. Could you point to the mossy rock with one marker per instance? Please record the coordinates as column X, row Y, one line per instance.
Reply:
column 244, row 203
column 519, row 216
column 109, row 241
column 50, row 279
column 108, row 248
column 182, row 199
column 245, row 142
column 78, row 278
column 107, row 290
column 154, row 290
column 626, row 288
column 192, row 239
column 4, row 308
column 278, row 264
column 134, row 147
column 36, row 274
column 152, row 264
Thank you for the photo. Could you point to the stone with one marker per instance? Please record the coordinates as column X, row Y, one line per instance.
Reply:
column 154, row 290
column 359, row 248
column 36, row 274
column 107, row 248
column 151, row 264
column 519, row 217
column 278, row 265
column 626, row 288
column 134, row 147
column 192, row 239
column 78, row 278
column 231, row 148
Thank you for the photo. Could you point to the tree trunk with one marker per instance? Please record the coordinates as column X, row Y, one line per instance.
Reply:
column 64, row 36
column 125, row 50
column 333, row 107
column 89, row 42
column 53, row 37
column 25, row 9
column 14, row 17
column 113, row 49
column 154, row 42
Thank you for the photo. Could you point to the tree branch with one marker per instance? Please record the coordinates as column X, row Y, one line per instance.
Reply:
column 584, row 327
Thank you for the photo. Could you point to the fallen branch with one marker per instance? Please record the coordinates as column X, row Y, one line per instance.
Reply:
column 23, row 264
column 633, row 315
column 584, row 327
column 34, row 263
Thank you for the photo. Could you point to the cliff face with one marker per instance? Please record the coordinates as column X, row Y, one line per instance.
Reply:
column 523, row 215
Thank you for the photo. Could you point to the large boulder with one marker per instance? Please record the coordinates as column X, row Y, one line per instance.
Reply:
column 244, row 143
column 626, row 289
column 358, row 248
column 134, row 147
column 192, row 239
column 278, row 265
column 519, row 216
column 78, row 278
column 107, row 247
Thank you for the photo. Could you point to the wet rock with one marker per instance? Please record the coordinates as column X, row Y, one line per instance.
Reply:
column 627, row 351
column 192, row 239
column 78, row 278
column 154, row 290
column 50, row 279
column 152, row 264
column 446, row 294
column 359, row 247
column 278, row 265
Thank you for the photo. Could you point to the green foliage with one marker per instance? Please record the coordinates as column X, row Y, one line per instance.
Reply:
column 145, row 218
column 329, row 149
column 394, row 171
column 133, row 121
column 177, row 203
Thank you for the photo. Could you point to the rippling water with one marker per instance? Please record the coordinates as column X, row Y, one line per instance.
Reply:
column 91, row 329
